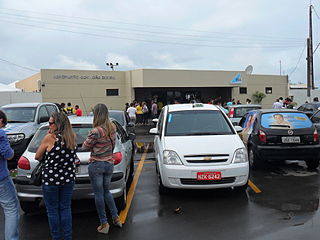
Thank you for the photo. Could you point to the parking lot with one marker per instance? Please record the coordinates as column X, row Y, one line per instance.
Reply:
column 281, row 202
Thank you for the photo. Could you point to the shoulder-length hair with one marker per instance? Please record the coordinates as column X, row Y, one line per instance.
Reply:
column 101, row 118
column 64, row 129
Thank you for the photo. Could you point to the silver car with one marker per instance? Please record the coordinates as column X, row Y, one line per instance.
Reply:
column 30, row 195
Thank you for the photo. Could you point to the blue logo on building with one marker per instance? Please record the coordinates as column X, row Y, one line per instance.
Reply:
column 237, row 79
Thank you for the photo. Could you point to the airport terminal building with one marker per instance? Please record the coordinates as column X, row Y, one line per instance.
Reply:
column 115, row 88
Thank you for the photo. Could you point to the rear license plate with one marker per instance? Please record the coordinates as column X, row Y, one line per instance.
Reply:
column 82, row 169
column 290, row 139
column 208, row 175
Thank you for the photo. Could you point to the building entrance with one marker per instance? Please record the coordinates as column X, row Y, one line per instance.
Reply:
column 182, row 95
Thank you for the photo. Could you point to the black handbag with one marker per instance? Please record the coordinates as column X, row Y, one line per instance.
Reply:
column 36, row 175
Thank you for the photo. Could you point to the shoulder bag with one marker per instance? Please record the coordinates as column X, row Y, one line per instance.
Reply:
column 36, row 175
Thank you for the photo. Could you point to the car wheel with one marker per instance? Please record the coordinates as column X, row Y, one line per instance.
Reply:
column 312, row 164
column 29, row 207
column 121, row 201
column 254, row 161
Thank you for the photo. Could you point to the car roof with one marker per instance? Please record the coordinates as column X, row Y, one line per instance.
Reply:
column 276, row 110
column 244, row 105
column 34, row 104
column 191, row 106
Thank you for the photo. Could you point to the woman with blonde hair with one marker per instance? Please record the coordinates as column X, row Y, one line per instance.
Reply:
column 101, row 141
column 58, row 150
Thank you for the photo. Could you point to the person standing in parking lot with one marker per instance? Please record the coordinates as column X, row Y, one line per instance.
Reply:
column 58, row 150
column 101, row 141
column 8, row 194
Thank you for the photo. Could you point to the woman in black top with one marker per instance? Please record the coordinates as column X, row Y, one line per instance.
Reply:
column 58, row 150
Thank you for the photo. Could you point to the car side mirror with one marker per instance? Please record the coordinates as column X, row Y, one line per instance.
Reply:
column 154, row 131
column 238, row 129
column 43, row 119
column 155, row 120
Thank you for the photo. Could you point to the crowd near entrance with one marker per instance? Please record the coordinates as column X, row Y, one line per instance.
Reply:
column 182, row 94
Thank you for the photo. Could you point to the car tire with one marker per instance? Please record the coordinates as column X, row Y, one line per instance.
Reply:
column 29, row 207
column 121, row 201
column 312, row 164
column 254, row 161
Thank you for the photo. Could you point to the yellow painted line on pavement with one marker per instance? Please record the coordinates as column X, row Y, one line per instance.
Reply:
column 254, row 187
column 145, row 162
column 124, row 212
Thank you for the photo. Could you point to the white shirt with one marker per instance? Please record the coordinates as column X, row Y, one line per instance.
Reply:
column 132, row 111
column 277, row 105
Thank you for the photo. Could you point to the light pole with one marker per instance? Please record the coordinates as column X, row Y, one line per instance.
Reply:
column 112, row 65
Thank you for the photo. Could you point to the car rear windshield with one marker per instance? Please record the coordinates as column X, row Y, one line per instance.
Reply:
column 20, row 114
column 81, row 131
column 241, row 111
column 285, row 120
column 197, row 122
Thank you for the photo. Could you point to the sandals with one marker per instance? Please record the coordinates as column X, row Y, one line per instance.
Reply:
column 103, row 228
column 117, row 222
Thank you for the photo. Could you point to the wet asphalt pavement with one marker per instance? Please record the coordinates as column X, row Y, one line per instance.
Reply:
column 286, row 208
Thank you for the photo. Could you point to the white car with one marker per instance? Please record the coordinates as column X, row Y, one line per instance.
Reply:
column 197, row 147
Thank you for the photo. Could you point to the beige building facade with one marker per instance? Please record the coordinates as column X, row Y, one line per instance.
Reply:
column 30, row 84
column 115, row 88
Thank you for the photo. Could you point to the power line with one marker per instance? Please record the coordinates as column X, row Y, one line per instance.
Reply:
column 143, row 32
column 17, row 65
column 145, row 25
column 295, row 68
column 151, row 41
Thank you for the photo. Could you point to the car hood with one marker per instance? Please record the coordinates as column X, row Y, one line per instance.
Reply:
column 203, row 145
column 16, row 127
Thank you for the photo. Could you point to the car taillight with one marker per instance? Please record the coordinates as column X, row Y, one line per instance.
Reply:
column 231, row 113
column 117, row 157
column 262, row 136
column 315, row 136
column 24, row 163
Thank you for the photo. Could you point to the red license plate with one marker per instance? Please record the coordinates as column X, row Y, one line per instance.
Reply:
column 208, row 175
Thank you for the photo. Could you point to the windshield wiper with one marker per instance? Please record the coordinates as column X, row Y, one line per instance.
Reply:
column 205, row 133
column 14, row 121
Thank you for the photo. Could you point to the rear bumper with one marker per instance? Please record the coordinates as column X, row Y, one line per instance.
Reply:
column 305, row 152
column 82, row 188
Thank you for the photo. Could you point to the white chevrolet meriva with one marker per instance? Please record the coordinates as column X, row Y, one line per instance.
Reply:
column 197, row 147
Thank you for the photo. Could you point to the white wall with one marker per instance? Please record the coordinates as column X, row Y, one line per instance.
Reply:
column 19, row 97
column 300, row 95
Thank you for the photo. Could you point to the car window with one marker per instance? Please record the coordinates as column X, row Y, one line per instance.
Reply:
column 241, row 111
column 302, row 107
column 81, row 131
column 249, row 122
column 160, row 122
column 51, row 109
column 197, row 122
column 309, row 107
column 20, row 114
column 285, row 120
column 123, row 135
column 118, row 116
column 43, row 112
column 316, row 117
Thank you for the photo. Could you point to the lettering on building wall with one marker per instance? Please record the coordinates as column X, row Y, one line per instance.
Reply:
column 91, row 77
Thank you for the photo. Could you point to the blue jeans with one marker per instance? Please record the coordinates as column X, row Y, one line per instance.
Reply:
column 100, row 174
column 10, row 204
column 58, row 203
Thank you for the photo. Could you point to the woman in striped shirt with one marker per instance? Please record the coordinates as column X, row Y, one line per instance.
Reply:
column 101, row 141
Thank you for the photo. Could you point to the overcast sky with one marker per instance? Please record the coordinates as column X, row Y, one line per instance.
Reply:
column 167, row 34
